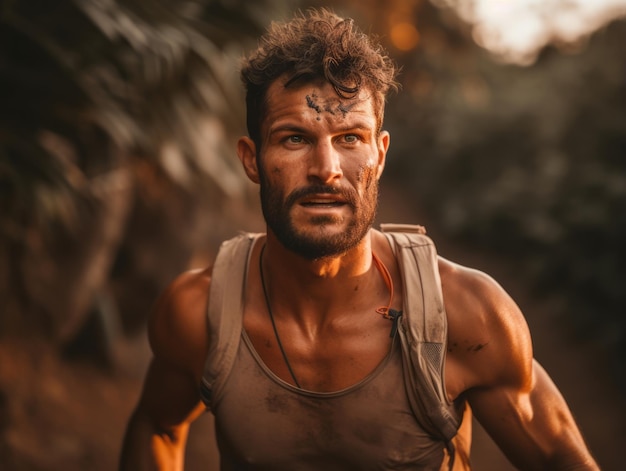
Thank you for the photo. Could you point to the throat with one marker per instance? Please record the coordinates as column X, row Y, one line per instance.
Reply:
column 333, row 353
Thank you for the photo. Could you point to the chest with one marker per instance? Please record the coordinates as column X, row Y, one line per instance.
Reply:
column 263, row 423
column 330, row 359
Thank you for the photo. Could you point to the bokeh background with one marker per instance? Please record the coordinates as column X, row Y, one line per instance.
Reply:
column 118, row 121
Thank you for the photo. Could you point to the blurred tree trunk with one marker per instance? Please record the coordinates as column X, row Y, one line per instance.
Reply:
column 64, row 271
column 98, row 96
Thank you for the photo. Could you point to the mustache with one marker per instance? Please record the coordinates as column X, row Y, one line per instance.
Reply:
column 348, row 194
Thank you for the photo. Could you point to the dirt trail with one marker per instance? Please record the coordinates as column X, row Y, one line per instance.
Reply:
column 56, row 415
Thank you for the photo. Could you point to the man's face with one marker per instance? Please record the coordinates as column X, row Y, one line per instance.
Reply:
column 319, row 167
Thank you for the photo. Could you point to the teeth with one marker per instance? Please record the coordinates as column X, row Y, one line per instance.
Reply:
column 324, row 201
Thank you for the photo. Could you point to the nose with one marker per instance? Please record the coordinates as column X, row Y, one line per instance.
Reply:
column 325, row 164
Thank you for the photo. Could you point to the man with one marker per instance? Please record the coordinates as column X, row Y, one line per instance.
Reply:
column 314, row 376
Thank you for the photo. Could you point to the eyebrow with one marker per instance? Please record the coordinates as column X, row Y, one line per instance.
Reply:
column 302, row 130
column 356, row 126
column 286, row 127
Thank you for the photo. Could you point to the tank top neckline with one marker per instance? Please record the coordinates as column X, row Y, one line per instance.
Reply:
column 319, row 394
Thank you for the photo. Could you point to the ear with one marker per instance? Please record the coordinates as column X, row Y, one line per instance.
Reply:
column 383, row 146
column 246, row 150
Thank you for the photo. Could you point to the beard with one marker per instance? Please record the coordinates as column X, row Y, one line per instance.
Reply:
column 316, row 245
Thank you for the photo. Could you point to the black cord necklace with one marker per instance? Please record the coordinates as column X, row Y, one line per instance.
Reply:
column 269, row 310
column 385, row 311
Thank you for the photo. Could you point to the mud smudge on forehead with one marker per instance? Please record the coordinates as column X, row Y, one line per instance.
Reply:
column 345, row 108
column 334, row 106
column 312, row 103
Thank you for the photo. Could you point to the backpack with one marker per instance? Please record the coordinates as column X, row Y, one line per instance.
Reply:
column 422, row 326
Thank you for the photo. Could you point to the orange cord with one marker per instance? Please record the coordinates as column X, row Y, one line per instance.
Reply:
column 384, row 310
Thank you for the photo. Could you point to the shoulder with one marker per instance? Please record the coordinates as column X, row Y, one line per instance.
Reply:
column 489, row 342
column 177, row 326
column 476, row 292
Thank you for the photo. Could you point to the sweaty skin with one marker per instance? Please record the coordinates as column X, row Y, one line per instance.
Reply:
column 323, row 173
column 319, row 171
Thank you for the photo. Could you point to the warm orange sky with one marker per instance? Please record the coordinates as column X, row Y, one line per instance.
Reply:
column 516, row 29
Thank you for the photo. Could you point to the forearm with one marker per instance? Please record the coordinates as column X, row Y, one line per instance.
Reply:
column 575, row 458
column 587, row 464
column 535, row 429
column 148, row 448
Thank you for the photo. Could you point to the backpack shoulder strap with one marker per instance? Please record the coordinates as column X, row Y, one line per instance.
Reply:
column 423, row 329
column 225, row 312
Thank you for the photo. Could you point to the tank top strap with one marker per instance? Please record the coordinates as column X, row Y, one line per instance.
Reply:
column 225, row 312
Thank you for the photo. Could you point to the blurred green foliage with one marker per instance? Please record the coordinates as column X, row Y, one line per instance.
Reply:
column 118, row 119
column 528, row 162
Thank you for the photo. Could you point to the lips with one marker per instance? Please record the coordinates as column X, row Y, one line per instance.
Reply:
column 321, row 196
column 322, row 201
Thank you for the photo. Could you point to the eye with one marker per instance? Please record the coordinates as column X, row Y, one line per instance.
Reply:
column 351, row 138
column 295, row 139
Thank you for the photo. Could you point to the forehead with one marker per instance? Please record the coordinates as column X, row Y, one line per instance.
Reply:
column 318, row 101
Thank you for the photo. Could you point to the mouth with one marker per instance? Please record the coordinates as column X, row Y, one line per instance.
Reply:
column 323, row 201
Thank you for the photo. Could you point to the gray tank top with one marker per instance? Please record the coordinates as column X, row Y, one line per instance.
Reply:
column 263, row 422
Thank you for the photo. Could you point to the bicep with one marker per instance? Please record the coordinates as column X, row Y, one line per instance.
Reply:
column 531, row 424
column 178, row 335
column 510, row 393
column 157, row 431
column 170, row 397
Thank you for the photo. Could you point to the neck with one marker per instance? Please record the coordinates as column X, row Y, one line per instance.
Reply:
column 353, row 263
column 319, row 288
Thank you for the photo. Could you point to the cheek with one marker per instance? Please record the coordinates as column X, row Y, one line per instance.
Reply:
column 367, row 176
column 281, row 178
column 272, row 172
column 370, row 166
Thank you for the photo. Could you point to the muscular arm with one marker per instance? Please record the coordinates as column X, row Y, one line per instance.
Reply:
column 157, row 431
column 532, row 425
column 511, row 395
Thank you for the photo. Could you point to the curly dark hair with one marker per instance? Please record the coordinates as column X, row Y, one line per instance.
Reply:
column 316, row 45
